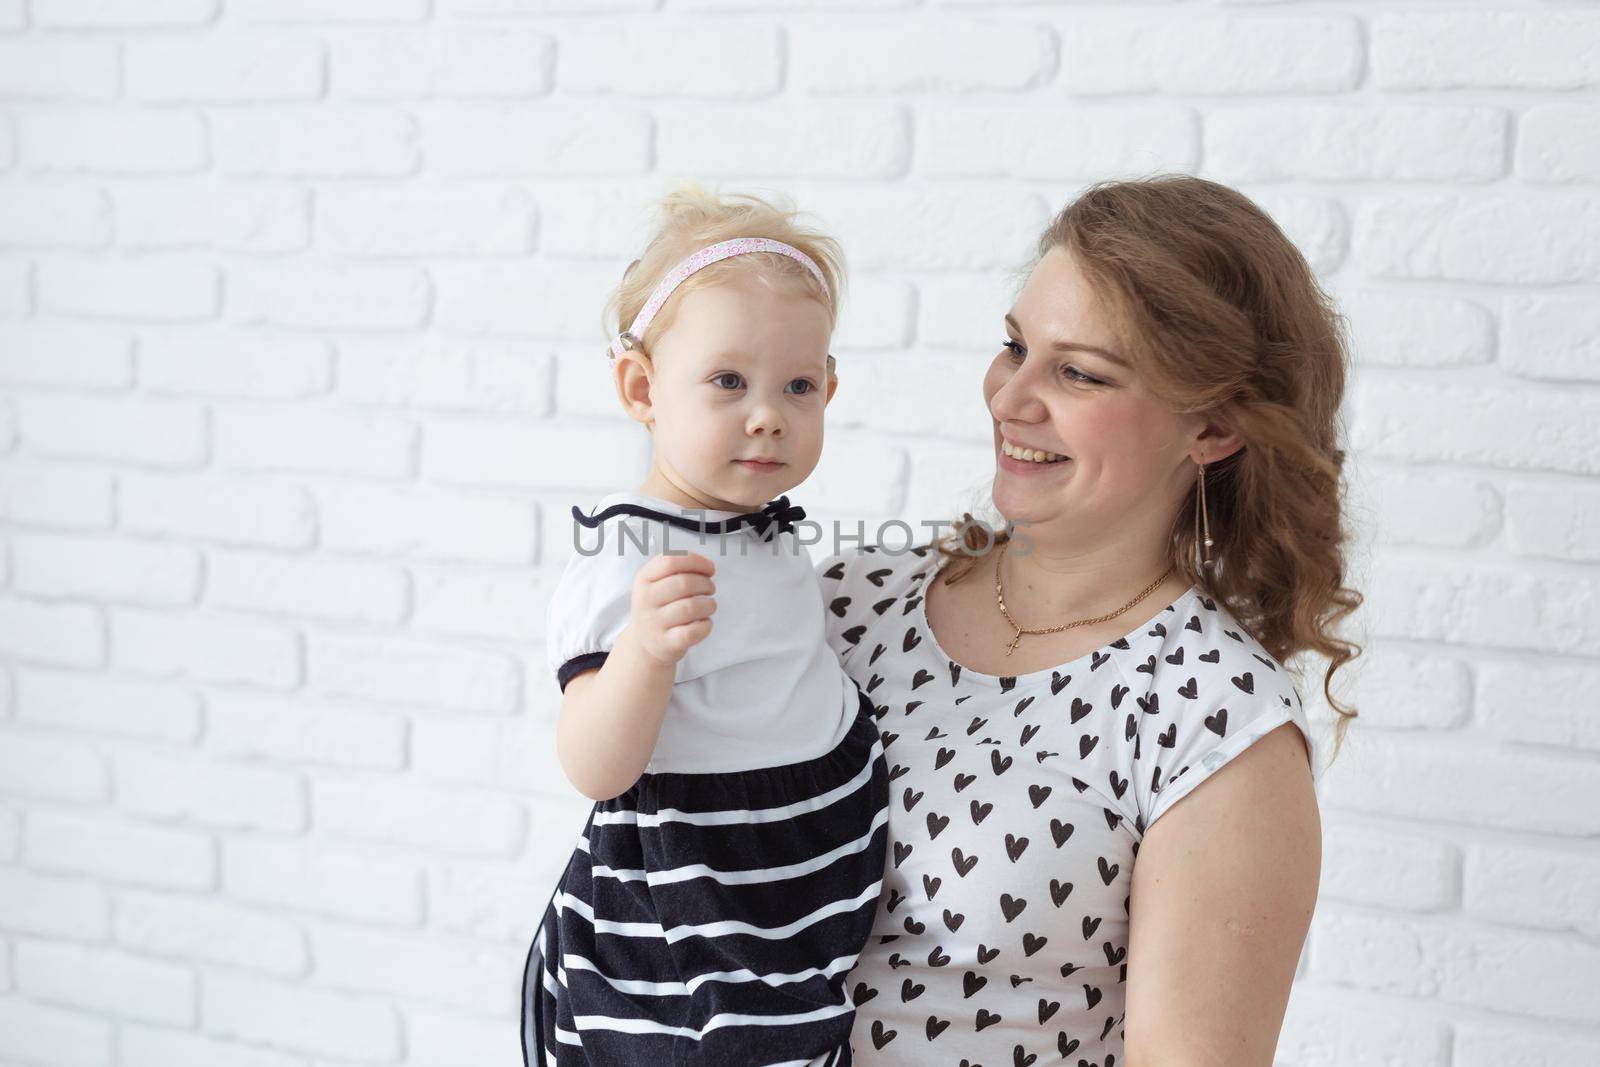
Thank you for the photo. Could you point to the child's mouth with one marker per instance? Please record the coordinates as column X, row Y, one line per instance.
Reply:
column 760, row 466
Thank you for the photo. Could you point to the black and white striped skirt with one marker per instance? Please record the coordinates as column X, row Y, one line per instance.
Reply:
column 712, row 919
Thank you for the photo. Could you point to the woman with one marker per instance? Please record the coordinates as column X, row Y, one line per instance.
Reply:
column 1105, row 845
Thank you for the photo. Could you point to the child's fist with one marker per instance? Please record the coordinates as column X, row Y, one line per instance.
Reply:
column 672, row 605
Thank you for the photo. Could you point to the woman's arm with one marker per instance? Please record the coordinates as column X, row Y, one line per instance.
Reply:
column 1224, row 885
column 611, row 715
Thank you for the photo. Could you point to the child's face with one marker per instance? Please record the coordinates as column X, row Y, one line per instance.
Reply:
column 739, row 374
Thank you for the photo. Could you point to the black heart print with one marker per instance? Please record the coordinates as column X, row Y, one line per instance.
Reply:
column 1014, row 916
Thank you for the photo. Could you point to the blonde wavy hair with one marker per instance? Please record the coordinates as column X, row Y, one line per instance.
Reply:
column 692, row 217
column 1222, row 315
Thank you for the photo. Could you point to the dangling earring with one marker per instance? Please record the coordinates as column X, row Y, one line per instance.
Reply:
column 1201, row 515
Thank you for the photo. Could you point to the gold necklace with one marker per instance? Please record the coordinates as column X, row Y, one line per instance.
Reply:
column 1000, row 598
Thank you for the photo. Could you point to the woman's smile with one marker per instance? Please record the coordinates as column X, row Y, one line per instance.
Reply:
column 1028, row 461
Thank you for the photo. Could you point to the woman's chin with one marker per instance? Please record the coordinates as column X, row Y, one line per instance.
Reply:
column 1020, row 507
column 1028, row 485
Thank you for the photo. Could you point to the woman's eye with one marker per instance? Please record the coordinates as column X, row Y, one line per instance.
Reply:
column 806, row 383
column 725, row 375
column 1072, row 374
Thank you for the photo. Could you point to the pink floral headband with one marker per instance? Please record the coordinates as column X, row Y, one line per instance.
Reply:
column 630, row 338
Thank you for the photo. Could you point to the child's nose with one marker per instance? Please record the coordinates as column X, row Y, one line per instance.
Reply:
column 765, row 419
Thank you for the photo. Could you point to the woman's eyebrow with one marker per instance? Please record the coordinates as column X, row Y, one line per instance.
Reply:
column 1074, row 346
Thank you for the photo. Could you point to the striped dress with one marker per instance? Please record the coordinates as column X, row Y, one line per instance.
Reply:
column 712, row 918
column 712, row 912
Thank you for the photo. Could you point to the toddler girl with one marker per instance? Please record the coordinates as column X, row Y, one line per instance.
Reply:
column 728, row 875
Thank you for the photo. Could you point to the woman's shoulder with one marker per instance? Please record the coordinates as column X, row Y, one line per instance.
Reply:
column 1205, row 690
column 874, row 570
column 874, row 577
column 1201, row 648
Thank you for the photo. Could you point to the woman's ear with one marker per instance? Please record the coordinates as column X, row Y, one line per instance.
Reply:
column 633, row 375
column 1217, row 442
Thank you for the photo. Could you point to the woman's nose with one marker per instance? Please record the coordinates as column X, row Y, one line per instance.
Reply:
column 1014, row 400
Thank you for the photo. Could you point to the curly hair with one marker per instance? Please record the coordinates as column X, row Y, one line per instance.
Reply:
column 1222, row 315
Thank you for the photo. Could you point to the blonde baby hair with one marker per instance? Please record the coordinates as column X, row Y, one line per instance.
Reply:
column 692, row 217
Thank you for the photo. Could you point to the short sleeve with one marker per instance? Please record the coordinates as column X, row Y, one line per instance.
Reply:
column 1208, row 718
column 589, row 608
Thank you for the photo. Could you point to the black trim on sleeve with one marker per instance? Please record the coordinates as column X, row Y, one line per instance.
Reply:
column 577, row 665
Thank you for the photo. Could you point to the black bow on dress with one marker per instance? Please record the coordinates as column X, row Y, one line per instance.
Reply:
column 775, row 517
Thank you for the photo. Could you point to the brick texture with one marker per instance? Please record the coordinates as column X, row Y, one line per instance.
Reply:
column 301, row 368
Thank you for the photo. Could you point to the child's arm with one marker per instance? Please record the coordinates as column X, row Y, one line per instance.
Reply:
column 611, row 715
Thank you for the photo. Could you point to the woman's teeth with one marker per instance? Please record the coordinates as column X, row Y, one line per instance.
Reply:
column 1029, row 455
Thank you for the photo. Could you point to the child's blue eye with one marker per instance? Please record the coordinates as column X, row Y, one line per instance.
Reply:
column 737, row 381
column 805, row 382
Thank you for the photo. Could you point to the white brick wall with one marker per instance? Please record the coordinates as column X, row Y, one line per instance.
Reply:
column 300, row 370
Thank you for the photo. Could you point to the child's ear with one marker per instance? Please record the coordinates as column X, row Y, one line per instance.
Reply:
column 833, row 383
column 633, row 387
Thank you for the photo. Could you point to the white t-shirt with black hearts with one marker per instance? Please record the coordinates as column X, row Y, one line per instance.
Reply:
column 1017, row 807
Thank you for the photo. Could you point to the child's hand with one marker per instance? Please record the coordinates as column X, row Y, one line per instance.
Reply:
column 672, row 605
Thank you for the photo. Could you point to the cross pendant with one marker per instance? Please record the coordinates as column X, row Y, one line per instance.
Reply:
column 1012, row 647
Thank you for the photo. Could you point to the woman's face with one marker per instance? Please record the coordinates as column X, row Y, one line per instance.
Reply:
column 740, row 374
column 1057, row 385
